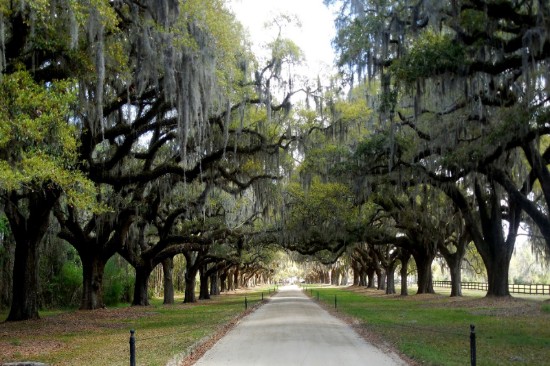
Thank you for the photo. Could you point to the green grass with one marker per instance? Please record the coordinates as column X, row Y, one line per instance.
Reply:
column 435, row 330
column 164, row 333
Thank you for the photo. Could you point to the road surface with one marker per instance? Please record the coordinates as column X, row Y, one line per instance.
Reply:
column 289, row 330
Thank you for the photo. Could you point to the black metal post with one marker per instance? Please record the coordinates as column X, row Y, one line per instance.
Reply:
column 473, row 345
column 335, row 303
column 245, row 303
column 132, row 348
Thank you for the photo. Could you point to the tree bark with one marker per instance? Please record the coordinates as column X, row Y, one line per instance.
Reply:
column 370, row 277
column 24, row 303
column 381, row 276
column 214, row 284
column 141, row 285
column 28, row 233
column 204, row 293
column 190, row 280
column 404, row 258
column 424, row 261
column 168, row 272
column 93, row 267
column 390, row 277
column 498, row 266
column 223, row 281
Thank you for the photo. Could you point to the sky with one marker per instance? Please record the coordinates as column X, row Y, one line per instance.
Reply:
column 313, row 37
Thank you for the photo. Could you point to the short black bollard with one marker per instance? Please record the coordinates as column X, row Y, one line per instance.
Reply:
column 132, row 348
column 245, row 303
column 473, row 345
column 335, row 303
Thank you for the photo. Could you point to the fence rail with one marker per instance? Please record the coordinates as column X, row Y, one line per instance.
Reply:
column 533, row 289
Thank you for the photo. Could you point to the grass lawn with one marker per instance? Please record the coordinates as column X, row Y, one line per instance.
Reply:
column 435, row 329
column 164, row 333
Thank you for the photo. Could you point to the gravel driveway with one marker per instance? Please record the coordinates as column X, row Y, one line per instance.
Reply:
column 291, row 329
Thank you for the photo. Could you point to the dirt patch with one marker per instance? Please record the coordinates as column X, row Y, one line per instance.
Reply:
column 503, row 307
column 29, row 338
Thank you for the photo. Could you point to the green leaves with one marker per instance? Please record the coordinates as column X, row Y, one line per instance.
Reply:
column 38, row 142
column 432, row 54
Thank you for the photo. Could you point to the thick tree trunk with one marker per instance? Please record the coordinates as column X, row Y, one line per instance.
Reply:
column 498, row 266
column 168, row 273
column 356, row 275
column 223, row 281
column 363, row 278
column 190, row 278
column 141, row 285
column 404, row 274
column 424, row 268
column 230, row 277
column 204, row 293
column 214, row 284
column 24, row 303
column 390, row 277
column 28, row 233
column 236, row 275
column 370, row 278
column 344, row 279
column 456, row 275
column 381, row 276
column 93, row 268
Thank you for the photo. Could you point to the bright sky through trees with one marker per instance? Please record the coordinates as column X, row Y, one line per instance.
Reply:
column 313, row 37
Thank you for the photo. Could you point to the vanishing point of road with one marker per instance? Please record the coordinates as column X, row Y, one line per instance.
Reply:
column 291, row 329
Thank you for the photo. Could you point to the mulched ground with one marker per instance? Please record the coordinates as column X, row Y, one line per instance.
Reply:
column 27, row 337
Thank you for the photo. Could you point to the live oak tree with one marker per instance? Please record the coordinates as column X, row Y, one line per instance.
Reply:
column 465, row 81
column 38, row 158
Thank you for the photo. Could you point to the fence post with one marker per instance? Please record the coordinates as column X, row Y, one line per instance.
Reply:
column 472, row 345
column 335, row 302
column 132, row 348
column 245, row 303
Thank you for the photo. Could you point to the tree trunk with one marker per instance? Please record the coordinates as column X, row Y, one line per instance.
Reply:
column 362, row 278
column 356, row 275
column 370, row 278
column 28, row 233
column 381, row 276
column 344, row 279
column 424, row 267
column 235, row 281
column 93, row 268
column 168, row 271
column 454, row 262
column 214, row 284
column 404, row 273
column 390, row 277
column 223, row 281
column 204, row 294
column 190, row 278
column 24, row 303
column 141, row 286
column 498, row 266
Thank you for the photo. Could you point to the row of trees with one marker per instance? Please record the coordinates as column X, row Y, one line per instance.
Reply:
column 146, row 128
column 139, row 128
column 455, row 147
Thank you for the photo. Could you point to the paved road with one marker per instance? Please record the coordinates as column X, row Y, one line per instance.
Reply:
column 291, row 329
